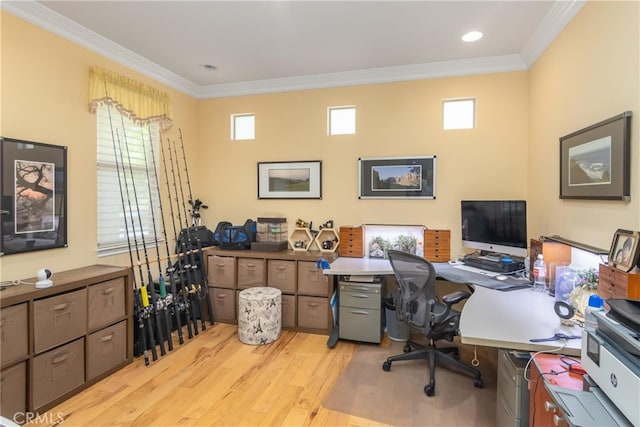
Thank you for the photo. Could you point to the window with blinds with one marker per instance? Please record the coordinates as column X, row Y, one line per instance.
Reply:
column 126, row 176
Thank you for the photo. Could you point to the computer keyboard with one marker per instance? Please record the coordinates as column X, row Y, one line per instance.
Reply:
column 477, row 270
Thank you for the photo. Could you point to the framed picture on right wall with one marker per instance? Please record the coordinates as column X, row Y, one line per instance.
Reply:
column 625, row 250
column 595, row 162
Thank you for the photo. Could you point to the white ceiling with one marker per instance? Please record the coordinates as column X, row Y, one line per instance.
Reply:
column 269, row 46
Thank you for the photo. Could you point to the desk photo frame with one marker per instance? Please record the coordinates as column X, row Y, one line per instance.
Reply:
column 625, row 250
column 33, row 206
column 595, row 162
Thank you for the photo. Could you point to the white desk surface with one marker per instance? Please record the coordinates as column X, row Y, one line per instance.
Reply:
column 504, row 319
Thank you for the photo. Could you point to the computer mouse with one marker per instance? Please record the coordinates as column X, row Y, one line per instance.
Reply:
column 501, row 277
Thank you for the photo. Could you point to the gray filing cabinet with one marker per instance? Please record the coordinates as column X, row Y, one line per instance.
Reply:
column 512, row 400
column 360, row 310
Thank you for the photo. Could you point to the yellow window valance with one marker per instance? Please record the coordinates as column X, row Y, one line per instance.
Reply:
column 140, row 102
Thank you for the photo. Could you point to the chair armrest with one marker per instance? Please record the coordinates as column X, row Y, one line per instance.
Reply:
column 455, row 297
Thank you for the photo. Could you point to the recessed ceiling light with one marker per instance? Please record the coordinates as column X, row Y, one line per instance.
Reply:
column 208, row 67
column 472, row 36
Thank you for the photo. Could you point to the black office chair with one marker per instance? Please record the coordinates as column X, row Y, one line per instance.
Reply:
column 418, row 305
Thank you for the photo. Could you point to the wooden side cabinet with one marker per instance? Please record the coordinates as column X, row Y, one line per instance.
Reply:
column 437, row 245
column 60, row 340
column 614, row 283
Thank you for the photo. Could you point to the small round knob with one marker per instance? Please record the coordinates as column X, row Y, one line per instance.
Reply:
column 558, row 420
column 550, row 406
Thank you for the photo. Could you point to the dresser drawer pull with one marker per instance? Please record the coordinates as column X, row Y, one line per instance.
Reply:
column 281, row 267
column 106, row 338
column 108, row 290
column 61, row 306
column 312, row 304
column 251, row 265
column 221, row 296
column 60, row 359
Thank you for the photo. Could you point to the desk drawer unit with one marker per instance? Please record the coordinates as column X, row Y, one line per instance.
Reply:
column 13, row 333
column 512, row 398
column 360, row 311
column 221, row 271
column 437, row 245
column 614, row 283
column 351, row 242
column 251, row 272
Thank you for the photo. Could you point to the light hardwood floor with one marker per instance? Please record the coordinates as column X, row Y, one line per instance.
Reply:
column 215, row 380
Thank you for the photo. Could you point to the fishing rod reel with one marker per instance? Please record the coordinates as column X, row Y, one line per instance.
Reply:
column 195, row 211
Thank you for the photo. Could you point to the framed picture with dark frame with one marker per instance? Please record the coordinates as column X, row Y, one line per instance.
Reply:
column 33, row 206
column 595, row 162
column 397, row 177
column 625, row 250
column 290, row 180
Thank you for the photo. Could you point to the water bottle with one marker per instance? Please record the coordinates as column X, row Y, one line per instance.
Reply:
column 539, row 274
column 595, row 304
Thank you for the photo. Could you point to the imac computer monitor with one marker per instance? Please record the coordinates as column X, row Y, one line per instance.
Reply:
column 498, row 226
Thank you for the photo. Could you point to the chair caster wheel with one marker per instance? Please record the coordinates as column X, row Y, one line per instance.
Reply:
column 406, row 348
column 456, row 355
column 386, row 366
column 477, row 383
column 430, row 390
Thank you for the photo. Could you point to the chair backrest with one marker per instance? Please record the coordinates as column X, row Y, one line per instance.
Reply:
column 416, row 279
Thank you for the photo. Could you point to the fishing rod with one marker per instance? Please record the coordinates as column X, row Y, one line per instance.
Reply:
column 184, row 306
column 151, row 288
column 197, row 289
column 161, row 284
column 137, row 298
column 143, row 298
column 205, row 284
column 183, row 248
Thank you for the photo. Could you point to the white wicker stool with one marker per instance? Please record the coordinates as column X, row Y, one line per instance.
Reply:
column 259, row 315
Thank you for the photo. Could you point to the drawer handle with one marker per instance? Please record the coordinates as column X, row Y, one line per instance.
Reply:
column 312, row 304
column 364, row 313
column 251, row 265
column 60, row 359
column 282, row 267
column 363, row 296
column 106, row 338
column 221, row 296
column 61, row 306
column 221, row 265
column 108, row 290
column 358, row 288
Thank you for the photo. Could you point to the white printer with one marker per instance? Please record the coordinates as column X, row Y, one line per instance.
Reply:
column 611, row 358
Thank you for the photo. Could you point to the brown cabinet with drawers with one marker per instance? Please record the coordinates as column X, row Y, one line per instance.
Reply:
column 437, row 245
column 351, row 241
column 614, row 283
column 59, row 340
column 306, row 291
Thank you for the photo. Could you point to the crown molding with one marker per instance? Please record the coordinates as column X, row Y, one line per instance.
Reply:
column 555, row 21
column 549, row 28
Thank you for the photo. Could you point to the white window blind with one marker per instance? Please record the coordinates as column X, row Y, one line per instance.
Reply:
column 131, row 143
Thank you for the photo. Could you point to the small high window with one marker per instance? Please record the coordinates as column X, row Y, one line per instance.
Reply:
column 342, row 120
column 459, row 114
column 243, row 126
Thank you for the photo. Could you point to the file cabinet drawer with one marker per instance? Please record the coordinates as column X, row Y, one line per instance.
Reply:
column 106, row 303
column 13, row 390
column 224, row 304
column 59, row 319
column 311, row 281
column 360, row 324
column 222, row 271
column 13, row 333
column 250, row 272
column 282, row 275
column 313, row 312
column 57, row 372
column 106, row 348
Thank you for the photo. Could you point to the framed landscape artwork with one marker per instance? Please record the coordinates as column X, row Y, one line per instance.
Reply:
column 34, row 187
column 595, row 162
column 397, row 177
column 290, row 180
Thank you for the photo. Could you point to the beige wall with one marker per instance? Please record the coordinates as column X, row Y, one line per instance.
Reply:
column 589, row 73
column 45, row 99
column 398, row 119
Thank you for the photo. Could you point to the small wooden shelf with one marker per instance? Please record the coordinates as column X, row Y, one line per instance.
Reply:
column 327, row 240
column 300, row 239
